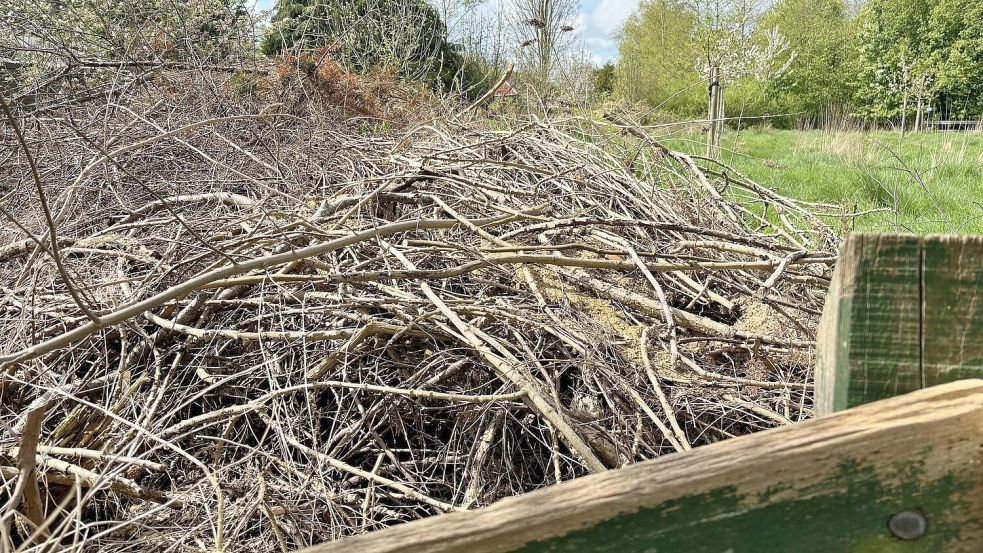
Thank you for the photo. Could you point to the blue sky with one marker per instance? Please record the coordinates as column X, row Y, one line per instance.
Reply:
column 601, row 19
column 598, row 20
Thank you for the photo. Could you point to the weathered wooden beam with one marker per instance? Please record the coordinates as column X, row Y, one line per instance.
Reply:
column 900, row 475
column 903, row 312
column 952, row 309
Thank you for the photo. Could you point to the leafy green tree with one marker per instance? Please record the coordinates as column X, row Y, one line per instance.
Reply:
column 917, row 54
column 603, row 78
column 405, row 36
column 895, row 71
column 819, row 77
column 671, row 51
column 658, row 58
column 956, row 38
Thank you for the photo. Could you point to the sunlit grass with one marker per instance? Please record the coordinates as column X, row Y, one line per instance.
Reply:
column 931, row 182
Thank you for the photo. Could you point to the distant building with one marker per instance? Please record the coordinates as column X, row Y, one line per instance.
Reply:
column 506, row 90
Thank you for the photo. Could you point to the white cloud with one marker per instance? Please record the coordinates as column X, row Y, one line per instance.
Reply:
column 601, row 20
column 608, row 15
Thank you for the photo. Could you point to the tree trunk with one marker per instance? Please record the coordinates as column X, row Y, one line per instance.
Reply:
column 918, row 113
column 721, row 115
column 904, row 110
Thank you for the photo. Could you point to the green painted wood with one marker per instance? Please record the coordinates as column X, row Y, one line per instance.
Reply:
column 952, row 325
column 872, row 308
column 829, row 485
column 848, row 511
column 903, row 312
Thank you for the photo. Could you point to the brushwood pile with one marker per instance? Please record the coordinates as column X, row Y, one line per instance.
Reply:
column 258, row 310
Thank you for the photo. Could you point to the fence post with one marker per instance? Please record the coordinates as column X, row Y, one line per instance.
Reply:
column 903, row 312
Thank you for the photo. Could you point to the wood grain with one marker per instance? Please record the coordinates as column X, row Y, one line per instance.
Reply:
column 952, row 310
column 828, row 485
column 903, row 312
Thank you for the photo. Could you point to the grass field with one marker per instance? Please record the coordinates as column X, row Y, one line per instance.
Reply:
column 931, row 182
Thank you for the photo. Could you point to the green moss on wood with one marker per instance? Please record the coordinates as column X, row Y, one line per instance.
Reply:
column 847, row 512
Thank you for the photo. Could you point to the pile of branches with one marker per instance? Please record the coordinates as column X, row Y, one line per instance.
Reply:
column 255, row 323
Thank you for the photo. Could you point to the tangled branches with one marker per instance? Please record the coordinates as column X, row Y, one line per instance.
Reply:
column 302, row 327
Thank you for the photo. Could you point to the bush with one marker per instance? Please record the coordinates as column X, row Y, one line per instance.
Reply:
column 406, row 37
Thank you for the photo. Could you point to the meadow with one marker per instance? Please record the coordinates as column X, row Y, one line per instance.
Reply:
column 929, row 182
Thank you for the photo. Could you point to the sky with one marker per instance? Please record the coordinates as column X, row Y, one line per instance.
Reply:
column 601, row 19
column 598, row 21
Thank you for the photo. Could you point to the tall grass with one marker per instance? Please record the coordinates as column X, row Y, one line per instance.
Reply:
column 921, row 182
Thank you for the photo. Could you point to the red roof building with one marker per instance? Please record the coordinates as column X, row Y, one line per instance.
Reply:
column 506, row 90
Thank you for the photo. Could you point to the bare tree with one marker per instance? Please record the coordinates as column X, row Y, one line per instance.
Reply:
column 575, row 77
column 543, row 34
column 478, row 28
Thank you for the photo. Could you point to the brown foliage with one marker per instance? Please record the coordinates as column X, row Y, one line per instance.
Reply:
column 328, row 82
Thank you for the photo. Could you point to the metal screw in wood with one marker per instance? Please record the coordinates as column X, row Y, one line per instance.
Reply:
column 908, row 525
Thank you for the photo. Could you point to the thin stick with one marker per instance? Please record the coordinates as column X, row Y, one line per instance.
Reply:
column 26, row 492
column 48, row 219
column 491, row 91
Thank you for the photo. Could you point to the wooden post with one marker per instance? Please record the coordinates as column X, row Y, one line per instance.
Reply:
column 900, row 475
column 721, row 114
column 712, row 106
column 903, row 312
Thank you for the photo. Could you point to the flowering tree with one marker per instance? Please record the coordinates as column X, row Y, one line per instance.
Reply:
column 731, row 48
column 913, row 53
column 893, row 57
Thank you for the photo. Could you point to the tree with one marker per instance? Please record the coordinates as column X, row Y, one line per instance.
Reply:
column 479, row 27
column 724, row 35
column 913, row 54
column 956, row 39
column 405, row 36
column 681, row 55
column 603, row 79
column 894, row 59
column 542, row 31
column 732, row 47
column 820, row 34
column 657, row 58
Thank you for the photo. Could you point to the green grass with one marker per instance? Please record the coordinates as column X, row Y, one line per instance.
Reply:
column 930, row 182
